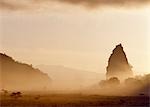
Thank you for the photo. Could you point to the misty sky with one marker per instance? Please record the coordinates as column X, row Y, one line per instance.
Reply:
column 76, row 36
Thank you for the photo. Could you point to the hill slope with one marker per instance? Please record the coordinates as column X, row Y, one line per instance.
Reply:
column 70, row 78
column 21, row 76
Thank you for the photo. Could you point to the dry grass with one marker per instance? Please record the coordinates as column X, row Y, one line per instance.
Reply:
column 73, row 100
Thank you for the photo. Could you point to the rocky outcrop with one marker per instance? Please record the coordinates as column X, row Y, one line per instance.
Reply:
column 20, row 76
column 118, row 65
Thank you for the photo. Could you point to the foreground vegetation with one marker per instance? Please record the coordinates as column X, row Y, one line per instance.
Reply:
column 73, row 100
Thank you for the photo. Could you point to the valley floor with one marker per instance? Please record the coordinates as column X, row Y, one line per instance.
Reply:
column 73, row 100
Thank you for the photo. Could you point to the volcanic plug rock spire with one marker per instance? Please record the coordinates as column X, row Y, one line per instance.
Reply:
column 118, row 65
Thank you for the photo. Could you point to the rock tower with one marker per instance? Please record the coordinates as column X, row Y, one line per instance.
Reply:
column 118, row 65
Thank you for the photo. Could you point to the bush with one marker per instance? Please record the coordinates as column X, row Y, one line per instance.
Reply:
column 114, row 81
column 133, row 82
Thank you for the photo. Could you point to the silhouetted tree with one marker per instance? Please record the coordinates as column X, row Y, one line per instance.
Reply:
column 113, row 81
column 16, row 94
column 133, row 82
column 5, row 91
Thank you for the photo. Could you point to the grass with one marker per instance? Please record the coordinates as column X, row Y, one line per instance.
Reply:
column 73, row 100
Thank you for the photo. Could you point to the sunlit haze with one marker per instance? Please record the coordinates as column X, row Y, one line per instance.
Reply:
column 75, row 53
column 77, row 37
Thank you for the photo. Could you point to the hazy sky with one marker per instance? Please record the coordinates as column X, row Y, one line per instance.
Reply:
column 76, row 36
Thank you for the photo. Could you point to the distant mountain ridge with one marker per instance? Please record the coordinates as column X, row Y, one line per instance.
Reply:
column 20, row 76
column 70, row 78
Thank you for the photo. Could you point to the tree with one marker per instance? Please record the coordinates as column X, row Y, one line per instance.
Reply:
column 114, row 81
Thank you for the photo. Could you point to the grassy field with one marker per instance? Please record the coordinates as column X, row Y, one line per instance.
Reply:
column 73, row 100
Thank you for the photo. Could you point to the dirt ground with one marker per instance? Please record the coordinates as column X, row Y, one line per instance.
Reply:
column 73, row 100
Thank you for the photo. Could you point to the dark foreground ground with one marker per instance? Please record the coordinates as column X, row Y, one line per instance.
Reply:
column 74, row 100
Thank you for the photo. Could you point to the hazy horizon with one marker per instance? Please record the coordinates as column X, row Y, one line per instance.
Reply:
column 75, row 53
column 76, row 37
